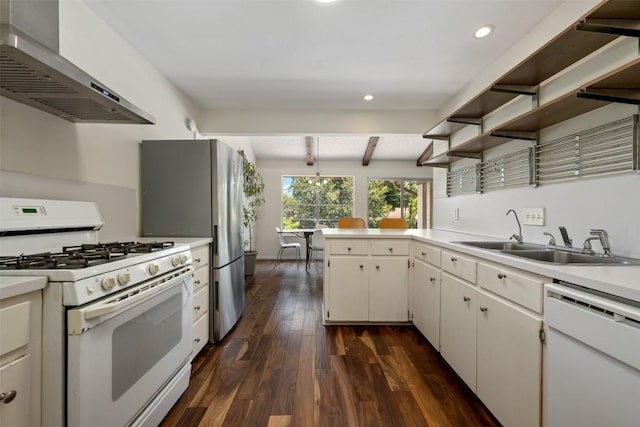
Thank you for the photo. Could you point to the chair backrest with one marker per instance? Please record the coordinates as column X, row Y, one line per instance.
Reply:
column 317, row 240
column 280, row 236
column 393, row 223
column 351, row 223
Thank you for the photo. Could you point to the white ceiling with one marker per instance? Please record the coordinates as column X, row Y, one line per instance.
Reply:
column 410, row 54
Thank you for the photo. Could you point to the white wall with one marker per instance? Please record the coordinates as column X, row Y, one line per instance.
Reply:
column 272, row 171
column 44, row 156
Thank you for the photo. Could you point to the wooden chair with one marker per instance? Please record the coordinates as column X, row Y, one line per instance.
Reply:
column 351, row 223
column 393, row 223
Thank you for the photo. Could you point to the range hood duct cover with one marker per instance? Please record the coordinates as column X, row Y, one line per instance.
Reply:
column 33, row 72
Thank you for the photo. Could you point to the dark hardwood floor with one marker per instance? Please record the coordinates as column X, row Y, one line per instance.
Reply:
column 281, row 367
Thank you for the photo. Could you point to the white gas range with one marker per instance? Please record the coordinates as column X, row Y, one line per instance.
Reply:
column 116, row 316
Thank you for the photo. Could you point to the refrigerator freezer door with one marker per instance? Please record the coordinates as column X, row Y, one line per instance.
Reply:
column 228, row 298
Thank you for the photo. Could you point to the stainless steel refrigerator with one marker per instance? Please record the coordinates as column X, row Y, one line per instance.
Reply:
column 193, row 188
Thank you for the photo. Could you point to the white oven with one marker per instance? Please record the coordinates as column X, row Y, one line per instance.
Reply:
column 124, row 348
column 117, row 316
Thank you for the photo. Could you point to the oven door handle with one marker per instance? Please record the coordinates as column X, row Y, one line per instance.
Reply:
column 78, row 319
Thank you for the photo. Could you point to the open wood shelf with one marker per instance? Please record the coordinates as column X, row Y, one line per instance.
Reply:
column 600, row 27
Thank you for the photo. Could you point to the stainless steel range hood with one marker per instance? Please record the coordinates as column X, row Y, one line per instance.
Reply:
column 33, row 72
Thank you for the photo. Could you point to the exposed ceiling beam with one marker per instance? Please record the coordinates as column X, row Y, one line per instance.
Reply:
column 425, row 154
column 309, row 143
column 373, row 141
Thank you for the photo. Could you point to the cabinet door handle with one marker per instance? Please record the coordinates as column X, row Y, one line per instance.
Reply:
column 361, row 266
column 377, row 267
column 348, row 249
column 466, row 299
column 8, row 397
column 483, row 308
column 502, row 276
column 454, row 259
column 196, row 282
column 390, row 249
column 197, row 340
column 424, row 253
column 197, row 260
column 197, row 307
column 433, row 279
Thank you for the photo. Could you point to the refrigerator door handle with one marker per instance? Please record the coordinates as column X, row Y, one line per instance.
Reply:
column 216, row 300
column 215, row 239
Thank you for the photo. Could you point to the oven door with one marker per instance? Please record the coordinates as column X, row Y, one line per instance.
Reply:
column 123, row 350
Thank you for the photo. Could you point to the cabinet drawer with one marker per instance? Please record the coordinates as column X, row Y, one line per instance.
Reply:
column 515, row 285
column 200, row 334
column 349, row 247
column 459, row 265
column 200, row 278
column 201, row 302
column 200, row 256
column 389, row 247
column 427, row 253
column 14, row 327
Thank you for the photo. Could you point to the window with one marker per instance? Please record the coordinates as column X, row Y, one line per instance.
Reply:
column 400, row 198
column 307, row 201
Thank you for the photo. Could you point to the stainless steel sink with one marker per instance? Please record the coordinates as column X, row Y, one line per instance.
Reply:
column 504, row 246
column 562, row 257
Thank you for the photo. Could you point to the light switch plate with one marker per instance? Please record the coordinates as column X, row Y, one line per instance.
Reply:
column 533, row 216
column 456, row 214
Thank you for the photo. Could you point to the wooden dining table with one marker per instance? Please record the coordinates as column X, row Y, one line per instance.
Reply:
column 306, row 233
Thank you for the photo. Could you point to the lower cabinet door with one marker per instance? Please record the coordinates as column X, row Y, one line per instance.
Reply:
column 348, row 288
column 458, row 327
column 15, row 380
column 388, row 289
column 509, row 362
column 200, row 334
column 424, row 301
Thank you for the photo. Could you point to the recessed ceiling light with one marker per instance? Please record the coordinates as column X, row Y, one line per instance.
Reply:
column 483, row 31
column 325, row 1
column 368, row 97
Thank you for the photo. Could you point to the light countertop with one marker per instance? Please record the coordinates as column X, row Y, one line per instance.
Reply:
column 623, row 280
column 10, row 286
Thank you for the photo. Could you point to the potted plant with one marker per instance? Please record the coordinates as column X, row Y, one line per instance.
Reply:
column 252, row 187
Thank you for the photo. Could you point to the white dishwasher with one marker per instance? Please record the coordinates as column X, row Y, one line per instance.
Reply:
column 593, row 357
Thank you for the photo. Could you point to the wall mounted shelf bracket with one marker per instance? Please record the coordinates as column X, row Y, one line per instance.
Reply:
column 610, row 26
column 610, row 95
column 466, row 120
column 517, row 89
column 515, row 134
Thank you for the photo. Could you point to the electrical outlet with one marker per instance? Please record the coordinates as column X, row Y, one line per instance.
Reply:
column 456, row 214
column 533, row 216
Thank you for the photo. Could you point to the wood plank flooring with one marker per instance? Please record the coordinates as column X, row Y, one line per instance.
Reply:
column 281, row 367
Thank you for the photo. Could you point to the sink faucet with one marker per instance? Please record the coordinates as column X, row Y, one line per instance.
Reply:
column 565, row 236
column 604, row 239
column 552, row 240
column 517, row 237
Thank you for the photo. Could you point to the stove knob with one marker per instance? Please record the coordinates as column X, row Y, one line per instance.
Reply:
column 108, row 283
column 153, row 269
column 124, row 278
column 175, row 261
column 183, row 259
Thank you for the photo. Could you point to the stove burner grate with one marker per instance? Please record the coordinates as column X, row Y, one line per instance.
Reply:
column 80, row 256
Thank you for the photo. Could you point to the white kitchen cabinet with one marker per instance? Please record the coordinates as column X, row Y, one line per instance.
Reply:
column 458, row 327
column 509, row 362
column 20, row 359
column 201, row 297
column 424, row 300
column 349, row 293
column 366, row 280
column 388, row 289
